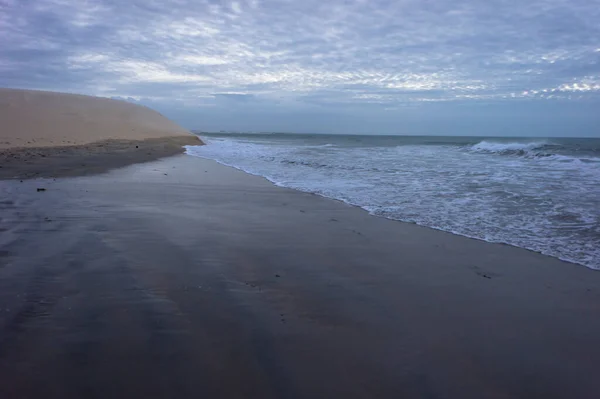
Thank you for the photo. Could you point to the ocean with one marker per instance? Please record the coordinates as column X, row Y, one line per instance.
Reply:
column 539, row 194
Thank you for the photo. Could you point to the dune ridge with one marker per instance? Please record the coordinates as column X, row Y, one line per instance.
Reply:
column 53, row 134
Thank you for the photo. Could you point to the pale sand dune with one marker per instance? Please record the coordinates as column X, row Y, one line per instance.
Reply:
column 42, row 119
column 44, row 134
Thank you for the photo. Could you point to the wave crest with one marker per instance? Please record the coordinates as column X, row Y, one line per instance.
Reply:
column 509, row 148
column 539, row 150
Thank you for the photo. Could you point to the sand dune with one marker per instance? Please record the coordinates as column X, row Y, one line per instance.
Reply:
column 42, row 119
column 45, row 134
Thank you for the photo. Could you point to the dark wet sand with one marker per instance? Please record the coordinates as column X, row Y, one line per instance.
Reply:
column 183, row 278
column 84, row 159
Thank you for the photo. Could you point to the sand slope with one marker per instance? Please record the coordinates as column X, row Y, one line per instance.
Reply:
column 46, row 119
column 44, row 134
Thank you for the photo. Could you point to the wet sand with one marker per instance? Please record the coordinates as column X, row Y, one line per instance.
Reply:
column 183, row 278
column 85, row 159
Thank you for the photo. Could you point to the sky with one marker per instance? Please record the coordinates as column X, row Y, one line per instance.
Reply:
column 473, row 67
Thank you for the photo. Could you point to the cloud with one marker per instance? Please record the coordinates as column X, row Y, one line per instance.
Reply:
column 381, row 52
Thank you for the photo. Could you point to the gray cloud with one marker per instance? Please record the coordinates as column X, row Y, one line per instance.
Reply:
column 380, row 54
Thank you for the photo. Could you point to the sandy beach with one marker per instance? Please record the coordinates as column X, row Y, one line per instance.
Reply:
column 180, row 277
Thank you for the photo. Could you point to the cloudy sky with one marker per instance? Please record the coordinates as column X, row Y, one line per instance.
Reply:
column 358, row 66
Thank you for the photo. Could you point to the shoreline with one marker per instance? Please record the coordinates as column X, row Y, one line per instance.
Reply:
column 104, row 156
column 567, row 261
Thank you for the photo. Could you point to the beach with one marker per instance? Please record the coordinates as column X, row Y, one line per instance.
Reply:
column 182, row 277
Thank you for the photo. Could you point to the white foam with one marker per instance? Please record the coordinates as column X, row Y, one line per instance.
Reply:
column 495, row 147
